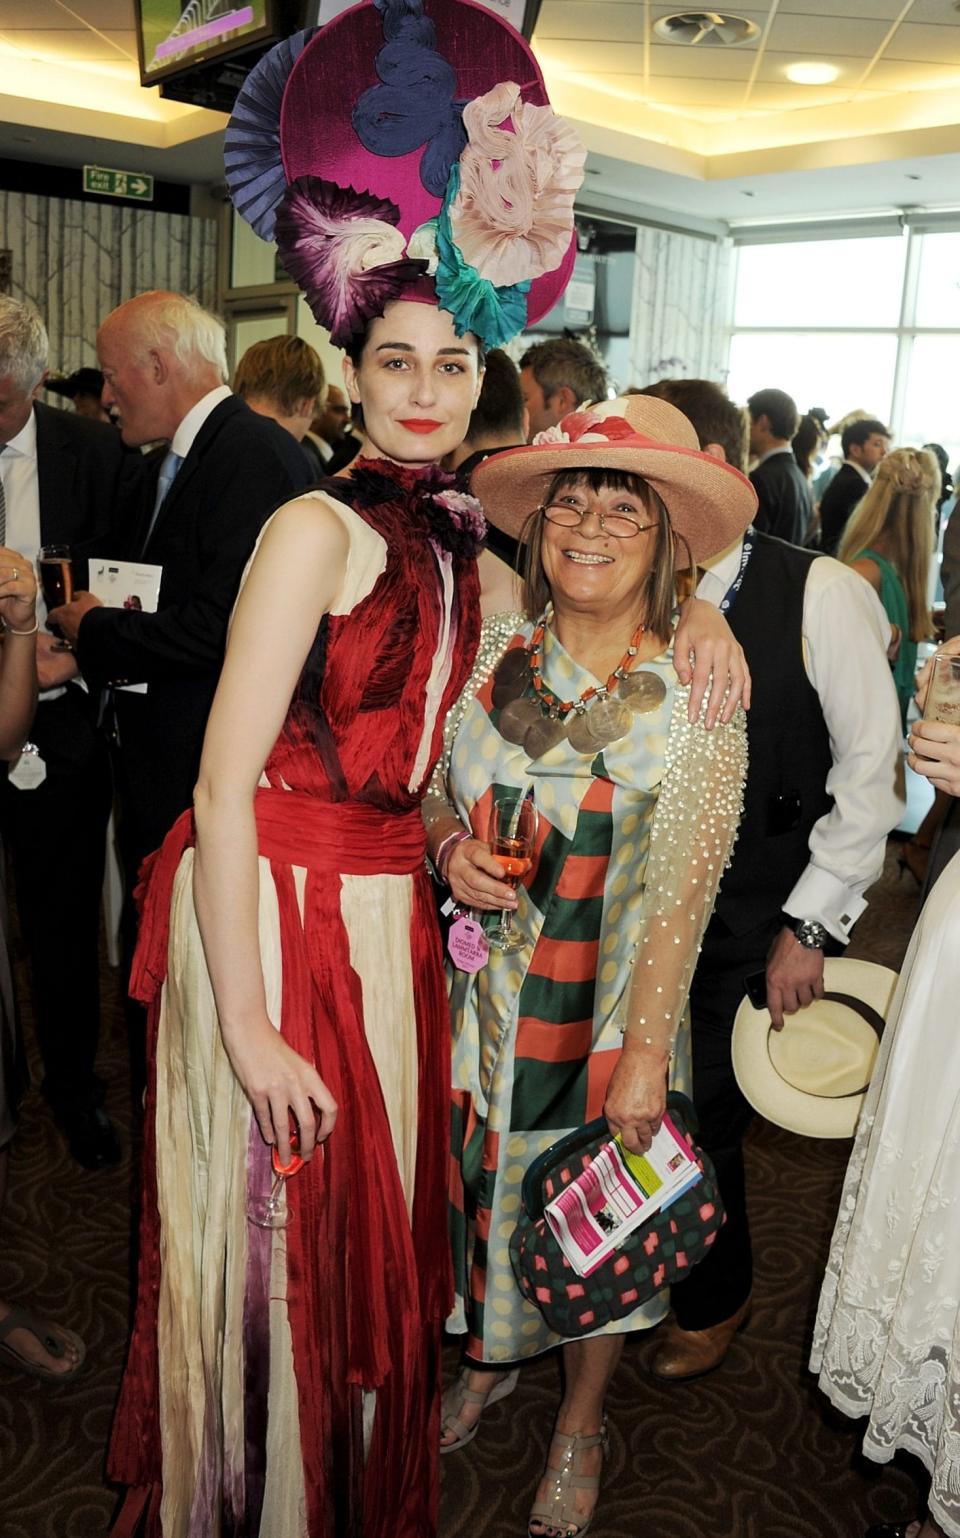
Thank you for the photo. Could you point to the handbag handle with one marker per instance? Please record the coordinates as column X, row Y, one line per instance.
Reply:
column 681, row 1111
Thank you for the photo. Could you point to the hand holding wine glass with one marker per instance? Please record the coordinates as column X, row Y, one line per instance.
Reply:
column 513, row 835
column 18, row 592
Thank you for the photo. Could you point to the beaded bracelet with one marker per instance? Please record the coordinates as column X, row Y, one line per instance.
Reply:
column 446, row 850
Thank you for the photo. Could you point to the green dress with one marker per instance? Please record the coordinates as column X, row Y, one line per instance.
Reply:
column 894, row 601
column 630, row 847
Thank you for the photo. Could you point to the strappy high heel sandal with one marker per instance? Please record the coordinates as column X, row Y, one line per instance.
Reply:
column 457, row 1396
column 559, row 1510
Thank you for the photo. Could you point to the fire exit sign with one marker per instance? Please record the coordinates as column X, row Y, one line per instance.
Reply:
column 118, row 184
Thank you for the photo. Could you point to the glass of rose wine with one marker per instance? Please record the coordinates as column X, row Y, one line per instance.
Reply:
column 271, row 1211
column 513, row 832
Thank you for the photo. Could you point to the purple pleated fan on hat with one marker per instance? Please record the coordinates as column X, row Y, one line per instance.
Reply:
column 251, row 152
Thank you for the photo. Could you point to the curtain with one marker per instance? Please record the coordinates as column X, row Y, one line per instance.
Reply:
column 681, row 307
column 76, row 261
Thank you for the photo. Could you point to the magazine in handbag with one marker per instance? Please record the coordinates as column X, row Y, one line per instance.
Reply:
column 616, row 1193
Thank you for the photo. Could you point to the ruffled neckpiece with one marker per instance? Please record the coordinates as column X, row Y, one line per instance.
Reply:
column 432, row 498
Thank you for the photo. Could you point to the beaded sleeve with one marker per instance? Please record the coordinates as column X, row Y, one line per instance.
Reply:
column 496, row 633
column 691, row 840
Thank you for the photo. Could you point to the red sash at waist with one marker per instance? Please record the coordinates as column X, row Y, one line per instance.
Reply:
column 350, row 838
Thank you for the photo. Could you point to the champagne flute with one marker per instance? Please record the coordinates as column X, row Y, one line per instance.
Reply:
column 55, row 569
column 271, row 1211
column 513, row 832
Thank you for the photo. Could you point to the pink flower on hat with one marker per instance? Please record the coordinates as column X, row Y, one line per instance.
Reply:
column 513, row 217
column 585, row 427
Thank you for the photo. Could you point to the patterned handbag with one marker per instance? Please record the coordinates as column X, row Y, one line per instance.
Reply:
column 659, row 1252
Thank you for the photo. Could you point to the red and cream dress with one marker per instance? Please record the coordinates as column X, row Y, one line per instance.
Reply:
column 283, row 1383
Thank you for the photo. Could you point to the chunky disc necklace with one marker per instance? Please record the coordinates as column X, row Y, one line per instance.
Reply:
column 601, row 715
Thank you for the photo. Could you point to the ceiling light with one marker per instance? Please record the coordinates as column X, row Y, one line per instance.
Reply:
column 812, row 74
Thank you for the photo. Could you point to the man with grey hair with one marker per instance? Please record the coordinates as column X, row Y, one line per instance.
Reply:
column 556, row 377
column 62, row 481
column 164, row 365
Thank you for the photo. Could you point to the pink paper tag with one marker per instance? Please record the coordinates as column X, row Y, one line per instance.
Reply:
column 467, row 945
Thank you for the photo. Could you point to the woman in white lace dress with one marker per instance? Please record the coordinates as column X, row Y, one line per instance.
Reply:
column 887, row 1337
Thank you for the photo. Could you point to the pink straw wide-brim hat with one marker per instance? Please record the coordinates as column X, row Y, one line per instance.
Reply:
column 710, row 503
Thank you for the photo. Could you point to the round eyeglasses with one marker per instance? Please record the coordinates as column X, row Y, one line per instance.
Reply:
column 618, row 525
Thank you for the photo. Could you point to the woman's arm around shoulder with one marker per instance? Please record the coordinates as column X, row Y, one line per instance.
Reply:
column 292, row 582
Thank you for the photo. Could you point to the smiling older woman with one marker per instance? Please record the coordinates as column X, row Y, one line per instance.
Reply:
column 637, row 808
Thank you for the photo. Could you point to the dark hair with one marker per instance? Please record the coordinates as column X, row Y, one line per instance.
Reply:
column 779, row 408
column 859, row 432
column 715, row 418
column 498, row 413
column 283, row 369
column 355, row 347
column 806, row 441
column 564, row 361
column 355, row 350
column 946, row 479
column 658, row 597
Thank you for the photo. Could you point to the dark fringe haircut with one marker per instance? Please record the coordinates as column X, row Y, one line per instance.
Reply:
column 658, row 598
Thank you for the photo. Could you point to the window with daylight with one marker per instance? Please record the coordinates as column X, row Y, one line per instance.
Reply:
column 854, row 319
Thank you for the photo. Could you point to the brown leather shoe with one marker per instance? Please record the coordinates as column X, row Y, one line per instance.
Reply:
column 691, row 1353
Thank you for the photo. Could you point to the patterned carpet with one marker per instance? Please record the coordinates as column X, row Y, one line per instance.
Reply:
column 750, row 1452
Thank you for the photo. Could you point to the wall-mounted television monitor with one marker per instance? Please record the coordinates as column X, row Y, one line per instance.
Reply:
column 178, row 35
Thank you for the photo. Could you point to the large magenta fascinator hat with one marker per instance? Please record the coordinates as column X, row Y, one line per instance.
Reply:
column 408, row 150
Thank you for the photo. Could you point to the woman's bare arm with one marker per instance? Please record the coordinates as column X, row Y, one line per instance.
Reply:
column 292, row 582
column 18, row 664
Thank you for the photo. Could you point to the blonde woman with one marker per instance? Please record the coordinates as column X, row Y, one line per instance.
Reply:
column 889, row 541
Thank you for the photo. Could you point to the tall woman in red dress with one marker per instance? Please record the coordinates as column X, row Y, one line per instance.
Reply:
column 283, row 1381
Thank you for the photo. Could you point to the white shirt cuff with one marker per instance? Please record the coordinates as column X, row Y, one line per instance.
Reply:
column 827, row 900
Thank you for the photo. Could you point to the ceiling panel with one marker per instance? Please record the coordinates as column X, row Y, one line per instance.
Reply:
column 76, row 45
column 829, row 38
column 607, row 19
column 942, row 11
column 781, row 96
column 109, row 15
column 16, row 14
column 707, row 93
column 904, row 75
column 936, row 45
column 718, row 63
column 876, row 10
column 598, row 58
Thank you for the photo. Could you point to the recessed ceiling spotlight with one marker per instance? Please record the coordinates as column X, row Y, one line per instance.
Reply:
column 812, row 74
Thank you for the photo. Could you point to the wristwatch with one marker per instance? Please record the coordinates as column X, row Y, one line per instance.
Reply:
column 811, row 935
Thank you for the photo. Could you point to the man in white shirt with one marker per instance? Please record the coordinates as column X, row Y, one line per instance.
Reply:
column 64, row 481
column 820, row 799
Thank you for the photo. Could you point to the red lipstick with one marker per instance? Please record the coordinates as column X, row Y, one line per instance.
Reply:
column 421, row 425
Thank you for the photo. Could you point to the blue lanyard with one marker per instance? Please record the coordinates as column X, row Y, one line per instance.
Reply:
column 727, row 601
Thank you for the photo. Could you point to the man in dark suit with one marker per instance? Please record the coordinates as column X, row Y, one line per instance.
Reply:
column 864, row 444
column 64, row 479
column 164, row 363
column 784, row 506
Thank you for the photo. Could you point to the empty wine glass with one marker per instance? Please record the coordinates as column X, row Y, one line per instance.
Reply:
column 513, row 833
